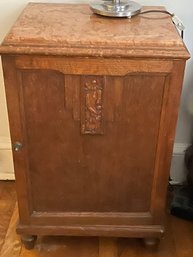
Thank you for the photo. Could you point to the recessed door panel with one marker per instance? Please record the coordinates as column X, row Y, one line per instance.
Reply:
column 91, row 140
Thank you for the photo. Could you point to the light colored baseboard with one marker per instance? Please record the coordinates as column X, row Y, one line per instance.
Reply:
column 180, row 148
column 178, row 171
column 5, row 143
column 6, row 161
column 7, row 176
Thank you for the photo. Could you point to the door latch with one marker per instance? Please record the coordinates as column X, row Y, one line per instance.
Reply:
column 17, row 146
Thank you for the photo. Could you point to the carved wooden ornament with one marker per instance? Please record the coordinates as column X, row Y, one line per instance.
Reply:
column 92, row 105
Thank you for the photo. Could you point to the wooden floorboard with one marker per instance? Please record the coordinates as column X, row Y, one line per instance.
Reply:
column 177, row 242
column 7, row 203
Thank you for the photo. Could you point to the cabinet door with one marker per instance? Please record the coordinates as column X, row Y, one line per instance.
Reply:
column 91, row 140
column 89, row 146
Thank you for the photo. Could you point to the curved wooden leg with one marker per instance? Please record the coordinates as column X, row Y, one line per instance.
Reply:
column 151, row 241
column 28, row 241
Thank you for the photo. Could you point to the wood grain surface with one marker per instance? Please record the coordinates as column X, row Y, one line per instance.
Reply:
column 7, row 203
column 68, row 182
column 177, row 241
column 97, row 133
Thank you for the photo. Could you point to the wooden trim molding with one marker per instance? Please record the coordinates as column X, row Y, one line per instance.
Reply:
column 102, row 230
column 7, row 176
column 6, row 162
column 5, row 143
column 88, row 66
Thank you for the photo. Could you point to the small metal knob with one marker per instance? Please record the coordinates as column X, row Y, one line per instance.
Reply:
column 17, row 146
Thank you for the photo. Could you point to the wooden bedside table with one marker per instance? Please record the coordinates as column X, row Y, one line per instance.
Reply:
column 92, row 105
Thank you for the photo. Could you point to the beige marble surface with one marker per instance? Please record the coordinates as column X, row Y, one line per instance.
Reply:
column 72, row 29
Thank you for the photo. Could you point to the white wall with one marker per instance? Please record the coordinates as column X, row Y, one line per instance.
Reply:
column 9, row 11
column 184, row 133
